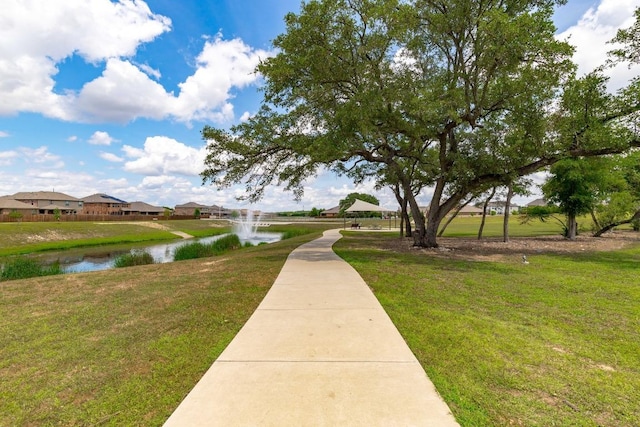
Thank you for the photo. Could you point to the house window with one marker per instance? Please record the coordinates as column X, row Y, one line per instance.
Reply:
column 66, row 203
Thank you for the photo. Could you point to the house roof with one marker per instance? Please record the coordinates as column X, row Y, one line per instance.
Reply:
column 53, row 207
column 43, row 195
column 470, row 209
column 10, row 203
column 143, row 207
column 101, row 198
column 191, row 205
column 335, row 209
column 501, row 204
column 362, row 206
column 537, row 202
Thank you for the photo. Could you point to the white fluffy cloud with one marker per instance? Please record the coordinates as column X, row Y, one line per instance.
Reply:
column 7, row 157
column 162, row 155
column 124, row 92
column 36, row 36
column 592, row 32
column 110, row 157
column 41, row 156
column 101, row 138
column 222, row 66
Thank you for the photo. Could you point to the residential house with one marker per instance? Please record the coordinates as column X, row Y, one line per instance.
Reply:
column 537, row 202
column 331, row 213
column 212, row 211
column 142, row 208
column 8, row 205
column 48, row 202
column 499, row 207
column 103, row 204
column 470, row 211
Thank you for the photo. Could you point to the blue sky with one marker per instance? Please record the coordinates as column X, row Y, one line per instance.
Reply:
column 100, row 96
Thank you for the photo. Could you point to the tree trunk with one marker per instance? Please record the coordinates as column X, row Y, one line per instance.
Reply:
column 436, row 213
column 600, row 232
column 507, row 213
column 453, row 216
column 484, row 212
column 407, row 223
column 420, row 231
column 405, row 220
column 595, row 219
column 396, row 192
column 572, row 227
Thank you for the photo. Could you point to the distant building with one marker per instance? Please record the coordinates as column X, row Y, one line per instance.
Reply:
column 47, row 202
column 499, row 207
column 212, row 211
column 9, row 205
column 331, row 213
column 470, row 211
column 142, row 208
column 103, row 204
column 537, row 202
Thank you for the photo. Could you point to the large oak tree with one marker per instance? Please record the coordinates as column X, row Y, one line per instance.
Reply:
column 462, row 90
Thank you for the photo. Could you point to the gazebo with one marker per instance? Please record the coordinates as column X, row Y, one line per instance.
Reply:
column 362, row 206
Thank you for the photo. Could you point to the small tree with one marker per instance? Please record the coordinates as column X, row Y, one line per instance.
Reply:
column 196, row 213
column 15, row 215
column 573, row 186
column 56, row 214
column 315, row 212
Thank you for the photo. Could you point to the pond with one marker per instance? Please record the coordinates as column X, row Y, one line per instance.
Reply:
column 103, row 258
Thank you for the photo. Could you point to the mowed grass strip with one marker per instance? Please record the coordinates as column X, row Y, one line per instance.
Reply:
column 28, row 237
column 124, row 346
column 554, row 342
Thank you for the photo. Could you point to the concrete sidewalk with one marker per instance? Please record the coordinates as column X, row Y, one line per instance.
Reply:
column 318, row 351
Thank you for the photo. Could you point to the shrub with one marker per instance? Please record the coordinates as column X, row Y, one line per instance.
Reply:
column 226, row 243
column 191, row 251
column 201, row 250
column 135, row 258
column 23, row 268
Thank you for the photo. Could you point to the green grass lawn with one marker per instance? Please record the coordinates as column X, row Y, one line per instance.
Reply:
column 555, row 342
column 27, row 237
column 124, row 346
column 468, row 226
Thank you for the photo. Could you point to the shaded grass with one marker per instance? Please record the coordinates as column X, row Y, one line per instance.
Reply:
column 554, row 342
column 124, row 346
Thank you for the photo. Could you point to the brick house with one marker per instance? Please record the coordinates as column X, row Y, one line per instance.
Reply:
column 47, row 202
column 212, row 211
column 9, row 205
column 103, row 204
column 142, row 208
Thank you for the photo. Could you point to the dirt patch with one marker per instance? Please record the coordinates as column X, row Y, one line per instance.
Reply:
column 493, row 249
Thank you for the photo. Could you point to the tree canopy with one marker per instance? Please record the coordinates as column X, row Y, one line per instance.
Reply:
column 460, row 95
